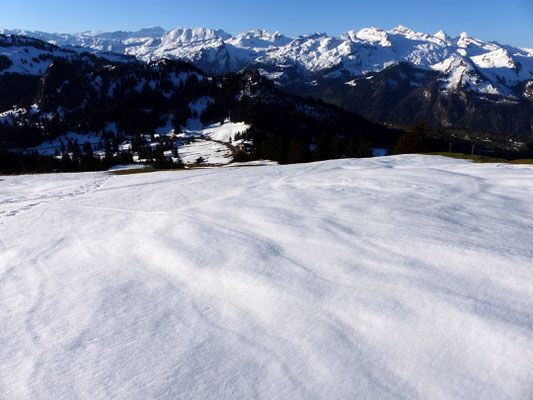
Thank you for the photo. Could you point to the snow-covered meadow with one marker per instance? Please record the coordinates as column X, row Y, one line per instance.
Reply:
column 392, row 277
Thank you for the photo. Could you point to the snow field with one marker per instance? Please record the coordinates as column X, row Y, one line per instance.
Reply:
column 226, row 131
column 213, row 153
column 221, row 132
column 393, row 277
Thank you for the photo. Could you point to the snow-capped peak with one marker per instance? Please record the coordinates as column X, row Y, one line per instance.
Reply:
column 193, row 35
column 499, row 58
column 374, row 35
column 410, row 34
column 528, row 51
column 259, row 38
column 350, row 36
column 402, row 30
column 257, row 34
column 465, row 40
column 441, row 35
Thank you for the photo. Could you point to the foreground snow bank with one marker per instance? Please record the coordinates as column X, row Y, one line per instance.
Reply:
column 397, row 277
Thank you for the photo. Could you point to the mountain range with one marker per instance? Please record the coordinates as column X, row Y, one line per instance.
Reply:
column 476, row 65
column 398, row 76
column 120, row 110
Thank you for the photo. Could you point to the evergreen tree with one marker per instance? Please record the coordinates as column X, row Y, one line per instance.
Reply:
column 337, row 147
column 108, row 158
column 414, row 141
column 358, row 148
column 323, row 150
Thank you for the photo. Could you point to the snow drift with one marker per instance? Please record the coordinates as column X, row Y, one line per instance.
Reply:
column 394, row 277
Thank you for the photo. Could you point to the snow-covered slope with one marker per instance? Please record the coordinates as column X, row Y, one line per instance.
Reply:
column 353, row 54
column 23, row 55
column 393, row 277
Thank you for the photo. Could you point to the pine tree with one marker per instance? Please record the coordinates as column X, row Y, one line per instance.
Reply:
column 322, row 151
column 414, row 141
column 336, row 147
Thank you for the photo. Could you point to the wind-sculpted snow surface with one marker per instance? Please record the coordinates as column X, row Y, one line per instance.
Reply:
column 394, row 277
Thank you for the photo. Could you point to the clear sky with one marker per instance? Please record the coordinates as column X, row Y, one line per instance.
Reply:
column 505, row 21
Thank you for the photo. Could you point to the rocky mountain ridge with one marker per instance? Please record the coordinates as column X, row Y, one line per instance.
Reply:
column 464, row 62
column 398, row 76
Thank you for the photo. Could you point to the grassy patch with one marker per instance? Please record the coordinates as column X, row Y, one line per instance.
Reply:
column 147, row 170
column 245, row 166
column 481, row 159
column 132, row 171
column 336, row 101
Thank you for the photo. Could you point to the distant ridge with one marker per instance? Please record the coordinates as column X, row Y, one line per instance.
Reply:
column 490, row 68
column 398, row 76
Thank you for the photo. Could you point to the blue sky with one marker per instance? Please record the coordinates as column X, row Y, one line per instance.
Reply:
column 506, row 21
